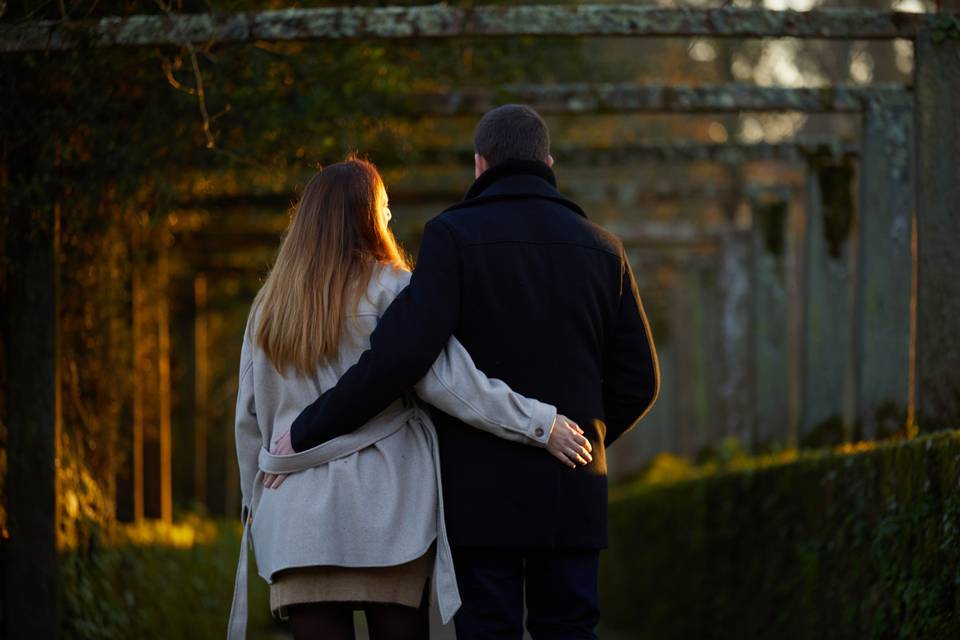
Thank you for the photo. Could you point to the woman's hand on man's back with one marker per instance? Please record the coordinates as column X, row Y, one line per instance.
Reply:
column 568, row 444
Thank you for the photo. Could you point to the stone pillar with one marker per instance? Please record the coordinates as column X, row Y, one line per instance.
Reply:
column 885, row 267
column 937, row 87
column 696, row 350
column 769, row 318
column 681, row 379
column 735, row 376
column 831, row 250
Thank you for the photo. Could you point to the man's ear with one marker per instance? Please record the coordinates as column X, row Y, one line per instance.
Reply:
column 480, row 164
column 549, row 161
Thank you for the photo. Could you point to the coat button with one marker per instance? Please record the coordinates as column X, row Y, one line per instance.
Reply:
column 538, row 432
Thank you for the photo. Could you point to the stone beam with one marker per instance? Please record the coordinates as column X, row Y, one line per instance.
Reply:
column 432, row 169
column 442, row 21
column 637, row 233
column 665, row 235
column 726, row 153
column 582, row 98
column 622, row 191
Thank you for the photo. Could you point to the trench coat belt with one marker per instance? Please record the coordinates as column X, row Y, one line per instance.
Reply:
column 448, row 599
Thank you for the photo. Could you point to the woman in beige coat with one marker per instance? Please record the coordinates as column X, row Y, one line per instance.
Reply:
column 356, row 522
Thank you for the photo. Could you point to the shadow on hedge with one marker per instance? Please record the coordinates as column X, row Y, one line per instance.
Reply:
column 858, row 543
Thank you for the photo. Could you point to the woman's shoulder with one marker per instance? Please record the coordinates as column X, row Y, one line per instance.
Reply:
column 385, row 283
column 253, row 319
column 391, row 278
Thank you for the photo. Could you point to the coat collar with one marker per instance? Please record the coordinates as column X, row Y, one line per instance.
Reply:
column 513, row 179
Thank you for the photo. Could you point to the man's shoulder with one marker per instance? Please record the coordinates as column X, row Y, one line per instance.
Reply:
column 606, row 239
column 479, row 222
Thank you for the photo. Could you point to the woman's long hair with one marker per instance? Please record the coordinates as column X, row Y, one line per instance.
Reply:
column 335, row 241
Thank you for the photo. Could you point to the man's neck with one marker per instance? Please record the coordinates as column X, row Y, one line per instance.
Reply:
column 511, row 167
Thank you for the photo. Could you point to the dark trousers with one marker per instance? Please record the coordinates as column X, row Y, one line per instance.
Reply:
column 560, row 586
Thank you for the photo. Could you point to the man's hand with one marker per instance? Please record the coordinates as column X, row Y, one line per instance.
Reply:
column 281, row 447
column 568, row 444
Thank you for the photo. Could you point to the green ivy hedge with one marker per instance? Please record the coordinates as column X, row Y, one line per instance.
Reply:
column 156, row 591
column 829, row 545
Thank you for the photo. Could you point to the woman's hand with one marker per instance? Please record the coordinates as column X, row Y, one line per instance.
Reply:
column 281, row 447
column 568, row 444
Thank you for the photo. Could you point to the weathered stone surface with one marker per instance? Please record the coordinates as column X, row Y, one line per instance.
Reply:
column 631, row 20
column 884, row 270
column 693, row 388
column 800, row 150
column 937, row 83
column 610, row 98
column 828, row 317
column 432, row 21
column 769, row 320
column 736, row 348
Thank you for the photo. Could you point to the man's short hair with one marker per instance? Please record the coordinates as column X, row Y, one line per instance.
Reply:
column 513, row 131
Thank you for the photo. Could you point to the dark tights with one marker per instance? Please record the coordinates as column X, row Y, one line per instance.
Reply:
column 334, row 621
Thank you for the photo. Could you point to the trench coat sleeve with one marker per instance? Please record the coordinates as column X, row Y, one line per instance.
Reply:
column 455, row 386
column 406, row 342
column 631, row 376
column 247, row 429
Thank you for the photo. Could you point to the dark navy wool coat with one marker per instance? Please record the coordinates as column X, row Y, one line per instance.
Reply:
column 542, row 299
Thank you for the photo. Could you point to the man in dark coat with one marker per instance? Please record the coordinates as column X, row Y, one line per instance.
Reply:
column 546, row 301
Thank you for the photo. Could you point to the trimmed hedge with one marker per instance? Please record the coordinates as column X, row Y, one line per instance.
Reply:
column 154, row 591
column 830, row 545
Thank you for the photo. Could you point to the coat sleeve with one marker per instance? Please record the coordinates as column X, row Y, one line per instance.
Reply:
column 247, row 429
column 455, row 386
column 631, row 376
column 406, row 342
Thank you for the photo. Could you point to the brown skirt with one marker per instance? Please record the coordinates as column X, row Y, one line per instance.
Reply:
column 400, row 584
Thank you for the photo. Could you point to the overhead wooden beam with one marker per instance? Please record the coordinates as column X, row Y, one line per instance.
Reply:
column 583, row 98
column 442, row 21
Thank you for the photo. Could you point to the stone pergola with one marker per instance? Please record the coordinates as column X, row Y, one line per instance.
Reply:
column 892, row 334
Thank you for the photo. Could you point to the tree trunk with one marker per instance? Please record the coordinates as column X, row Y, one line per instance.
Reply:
column 32, row 418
